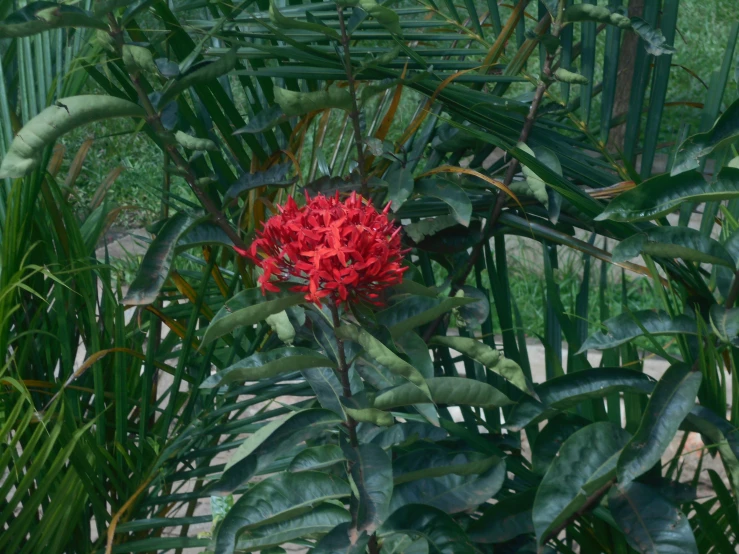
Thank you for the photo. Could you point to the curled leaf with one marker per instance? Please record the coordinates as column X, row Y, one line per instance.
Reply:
column 298, row 103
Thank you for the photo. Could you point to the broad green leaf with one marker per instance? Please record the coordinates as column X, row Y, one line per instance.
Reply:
column 342, row 539
column 443, row 534
column 317, row 457
column 194, row 143
column 202, row 73
column 664, row 193
column 550, row 439
column 407, row 433
column 585, row 463
column 263, row 365
column 452, row 492
column 674, row 242
column 326, row 386
column 370, row 415
column 137, row 58
column 275, row 176
column 37, row 17
column 276, row 499
column 505, row 520
column 725, row 323
column 372, row 473
column 721, row 433
column 453, row 391
column 321, row 519
column 384, row 15
column 375, row 349
column 489, row 357
column 724, row 131
column 591, row 12
column 202, row 234
column 227, row 319
column 650, row 523
column 672, row 399
column 299, row 103
column 154, row 268
column 426, row 463
column 627, row 326
column 428, row 227
column 415, row 311
column 450, row 193
column 566, row 391
column 654, row 41
column 26, row 150
column 400, row 185
column 404, row 544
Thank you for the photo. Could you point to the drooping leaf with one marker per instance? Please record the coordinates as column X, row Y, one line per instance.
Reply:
column 415, row 311
column 342, row 539
column 672, row 399
column 275, row 176
column 326, row 386
column 454, row 391
column 654, row 41
column 298, row 103
column 203, row 72
column 370, row 415
column 404, row 544
column 585, row 463
column 505, row 520
column 276, row 499
column 263, row 365
column 154, row 269
column 725, row 323
column 407, row 433
column 317, row 457
column 27, row 148
column 674, row 242
column 372, row 473
column 431, row 462
column 384, row 15
column 724, row 131
column 282, row 22
column 721, row 433
column 627, row 326
column 664, row 193
column 489, row 357
column 37, row 17
column 568, row 390
column 443, row 534
column 650, row 523
column 400, row 184
column 450, row 193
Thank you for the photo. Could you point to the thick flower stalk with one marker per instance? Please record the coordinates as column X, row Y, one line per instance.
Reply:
column 345, row 252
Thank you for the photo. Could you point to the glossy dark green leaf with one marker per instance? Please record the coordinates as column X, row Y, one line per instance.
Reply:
column 721, row 433
column 204, row 233
column 672, row 399
column 317, row 457
column 505, row 520
column 415, row 311
column 372, row 473
column 154, row 269
column 551, row 438
column 566, row 391
column 404, row 544
column 450, row 193
column 407, row 433
column 275, row 176
column 650, row 523
column 627, row 326
column 453, row 391
column 585, row 463
column 326, row 386
column 276, row 499
column 264, row 365
column 37, row 17
column 255, row 308
column 725, row 323
column 201, row 74
column 664, row 193
column 673, row 242
column 400, row 185
column 694, row 148
column 342, row 539
column 443, row 534
column 431, row 462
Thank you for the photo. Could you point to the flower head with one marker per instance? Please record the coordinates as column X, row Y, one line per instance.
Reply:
column 347, row 251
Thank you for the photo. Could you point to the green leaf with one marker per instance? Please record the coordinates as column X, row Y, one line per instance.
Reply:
column 506, row 520
column 725, row 323
column 451, row 194
column 263, row 121
column 585, row 463
column 415, row 311
column 566, row 76
column 721, row 433
column 321, row 519
column 454, row 491
column 443, row 534
column 282, row 22
column 202, row 234
column 420, row 465
column 137, row 58
column 26, row 150
column 550, row 439
column 429, row 227
column 489, row 357
column 674, row 242
column 38, row 17
column 454, row 391
column 264, row 365
column 202, row 73
column 370, row 415
column 591, row 12
column 724, row 131
column 569, row 390
column 342, row 539
column 672, row 399
column 326, row 386
column 627, row 326
column 317, row 457
column 276, row 499
column 650, row 523
column 384, row 16
column 664, row 193
column 299, row 103
column 375, row 349
column 400, row 185
column 157, row 262
column 372, row 473
column 407, row 433
column 275, row 176
column 281, row 325
column 654, row 41
column 194, row 143
column 227, row 319
column 404, row 544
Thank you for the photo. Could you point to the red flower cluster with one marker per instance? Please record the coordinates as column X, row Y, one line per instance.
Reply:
column 343, row 250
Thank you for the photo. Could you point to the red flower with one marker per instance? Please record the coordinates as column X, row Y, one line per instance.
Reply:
column 345, row 251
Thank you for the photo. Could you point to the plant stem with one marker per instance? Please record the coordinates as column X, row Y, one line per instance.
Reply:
column 351, row 424
column 733, row 292
column 354, row 115
column 170, row 146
